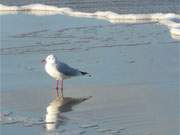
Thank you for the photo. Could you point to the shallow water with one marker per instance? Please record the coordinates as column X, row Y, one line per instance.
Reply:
column 123, row 50
column 134, row 83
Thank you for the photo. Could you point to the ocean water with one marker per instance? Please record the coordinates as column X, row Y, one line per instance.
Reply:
column 118, row 6
column 131, row 49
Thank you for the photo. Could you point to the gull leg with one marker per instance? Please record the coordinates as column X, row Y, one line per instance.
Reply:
column 62, row 88
column 57, row 93
column 57, row 83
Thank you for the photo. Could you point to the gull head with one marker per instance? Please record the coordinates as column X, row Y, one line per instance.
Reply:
column 49, row 59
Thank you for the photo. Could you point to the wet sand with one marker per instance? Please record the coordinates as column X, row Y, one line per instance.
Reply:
column 128, row 109
column 134, row 85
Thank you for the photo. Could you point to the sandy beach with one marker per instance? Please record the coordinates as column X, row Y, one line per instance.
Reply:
column 133, row 90
column 127, row 109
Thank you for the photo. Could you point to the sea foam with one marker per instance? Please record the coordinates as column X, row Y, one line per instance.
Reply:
column 171, row 20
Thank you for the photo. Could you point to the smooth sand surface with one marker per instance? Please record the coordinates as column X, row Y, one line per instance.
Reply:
column 138, row 109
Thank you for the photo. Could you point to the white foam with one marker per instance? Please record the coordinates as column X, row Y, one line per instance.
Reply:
column 175, row 31
column 171, row 20
column 38, row 7
column 8, row 8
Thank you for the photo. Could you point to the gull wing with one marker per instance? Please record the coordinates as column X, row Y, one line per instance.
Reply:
column 67, row 70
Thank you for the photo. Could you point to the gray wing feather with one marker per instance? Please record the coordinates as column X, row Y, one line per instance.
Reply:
column 67, row 70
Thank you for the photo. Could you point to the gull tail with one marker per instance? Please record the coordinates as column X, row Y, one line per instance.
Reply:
column 85, row 73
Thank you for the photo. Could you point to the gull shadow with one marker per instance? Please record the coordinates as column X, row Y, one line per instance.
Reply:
column 59, row 105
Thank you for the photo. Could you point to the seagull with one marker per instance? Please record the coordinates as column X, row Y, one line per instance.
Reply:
column 60, row 71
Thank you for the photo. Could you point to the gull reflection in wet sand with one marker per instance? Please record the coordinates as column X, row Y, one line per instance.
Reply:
column 53, row 116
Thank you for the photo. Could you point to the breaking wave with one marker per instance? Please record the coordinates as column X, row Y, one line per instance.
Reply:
column 171, row 20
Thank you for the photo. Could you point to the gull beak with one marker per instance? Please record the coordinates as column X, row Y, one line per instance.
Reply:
column 43, row 61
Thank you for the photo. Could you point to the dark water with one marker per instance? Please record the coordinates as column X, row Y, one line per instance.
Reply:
column 118, row 6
